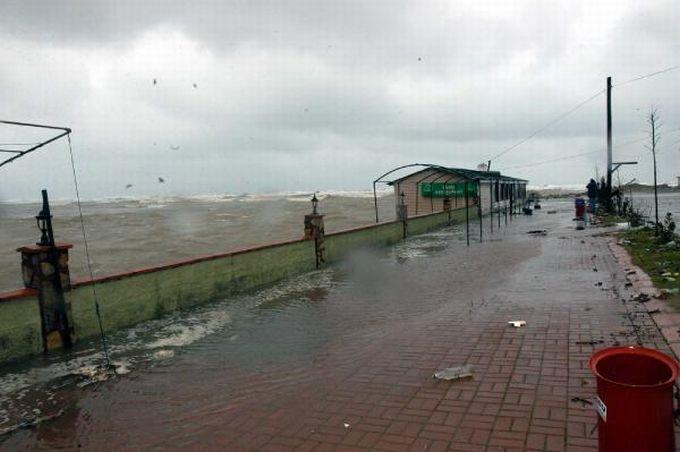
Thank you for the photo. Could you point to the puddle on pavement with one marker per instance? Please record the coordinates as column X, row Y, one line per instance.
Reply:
column 29, row 389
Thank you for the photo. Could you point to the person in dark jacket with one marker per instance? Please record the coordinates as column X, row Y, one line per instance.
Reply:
column 592, row 191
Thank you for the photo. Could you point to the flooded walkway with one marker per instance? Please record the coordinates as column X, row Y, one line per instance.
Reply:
column 342, row 358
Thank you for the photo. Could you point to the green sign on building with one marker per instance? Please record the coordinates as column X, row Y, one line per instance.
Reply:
column 446, row 190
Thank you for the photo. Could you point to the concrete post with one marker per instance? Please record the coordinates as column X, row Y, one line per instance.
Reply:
column 39, row 273
column 314, row 230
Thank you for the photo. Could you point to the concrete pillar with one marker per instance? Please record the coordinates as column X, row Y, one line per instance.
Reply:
column 402, row 215
column 314, row 230
column 38, row 270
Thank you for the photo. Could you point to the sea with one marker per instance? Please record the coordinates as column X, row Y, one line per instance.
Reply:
column 125, row 234
column 668, row 203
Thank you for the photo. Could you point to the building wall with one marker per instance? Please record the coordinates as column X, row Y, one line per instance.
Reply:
column 417, row 204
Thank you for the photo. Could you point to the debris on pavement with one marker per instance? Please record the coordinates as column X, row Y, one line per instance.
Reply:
column 454, row 373
column 589, row 342
column 550, row 212
column 581, row 400
column 641, row 298
column 538, row 232
column 517, row 323
column 30, row 422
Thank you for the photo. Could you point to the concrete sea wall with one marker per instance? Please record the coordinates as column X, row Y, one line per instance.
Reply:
column 143, row 294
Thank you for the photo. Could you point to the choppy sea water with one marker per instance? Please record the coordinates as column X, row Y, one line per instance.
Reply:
column 668, row 202
column 125, row 234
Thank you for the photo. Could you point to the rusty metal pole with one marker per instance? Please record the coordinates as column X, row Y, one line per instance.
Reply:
column 498, row 201
column 467, row 215
column 491, row 203
column 375, row 203
column 479, row 209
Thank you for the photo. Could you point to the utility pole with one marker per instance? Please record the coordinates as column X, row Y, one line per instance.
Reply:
column 609, row 136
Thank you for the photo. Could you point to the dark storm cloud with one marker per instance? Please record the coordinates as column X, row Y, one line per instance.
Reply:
column 326, row 94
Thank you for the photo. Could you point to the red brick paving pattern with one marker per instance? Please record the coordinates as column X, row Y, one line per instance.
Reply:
column 524, row 378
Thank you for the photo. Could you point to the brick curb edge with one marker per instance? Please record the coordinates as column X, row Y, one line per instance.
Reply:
column 664, row 316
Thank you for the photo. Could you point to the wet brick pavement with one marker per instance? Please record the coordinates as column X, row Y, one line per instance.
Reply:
column 371, row 385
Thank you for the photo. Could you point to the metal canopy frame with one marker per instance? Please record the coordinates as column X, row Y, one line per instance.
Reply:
column 487, row 176
column 34, row 146
column 380, row 180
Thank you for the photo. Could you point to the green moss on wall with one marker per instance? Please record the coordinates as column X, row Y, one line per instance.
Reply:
column 20, row 333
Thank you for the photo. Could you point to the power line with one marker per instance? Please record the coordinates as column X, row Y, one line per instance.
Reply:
column 647, row 138
column 18, row 144
column 651, row 74
column 579, row 105
column 581, row 154
column 554, row 121
column 544, row 162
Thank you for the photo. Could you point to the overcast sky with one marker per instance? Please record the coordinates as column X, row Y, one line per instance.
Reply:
column 266, row 96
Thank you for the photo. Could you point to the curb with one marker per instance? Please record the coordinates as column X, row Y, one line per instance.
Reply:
column 667, row 320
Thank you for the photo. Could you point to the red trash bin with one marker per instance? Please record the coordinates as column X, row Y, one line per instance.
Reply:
column 634, row 399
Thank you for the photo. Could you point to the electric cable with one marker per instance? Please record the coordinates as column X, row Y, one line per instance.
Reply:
column 651, row 74
column 87, row 255
column 554, row 121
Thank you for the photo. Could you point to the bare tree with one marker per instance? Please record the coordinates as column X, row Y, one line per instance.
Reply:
column 654, row 125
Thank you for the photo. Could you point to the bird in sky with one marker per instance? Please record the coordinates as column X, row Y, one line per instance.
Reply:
column 161, row 180
column 128, row 186
column 155, row 81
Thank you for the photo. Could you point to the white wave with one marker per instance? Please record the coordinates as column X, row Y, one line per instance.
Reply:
column 190, row 329
column 142, row 200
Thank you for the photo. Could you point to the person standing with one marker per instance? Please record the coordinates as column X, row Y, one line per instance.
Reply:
column 592, row 192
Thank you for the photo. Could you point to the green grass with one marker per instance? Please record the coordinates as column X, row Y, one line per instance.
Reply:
column 607, row 219
column 655, row 259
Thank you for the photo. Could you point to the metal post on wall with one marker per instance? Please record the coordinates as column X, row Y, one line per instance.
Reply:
column 479, row 209
column 467, row 215
column 498, row 201
column 375, row 202
column 491, row 203
column 512, row 199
